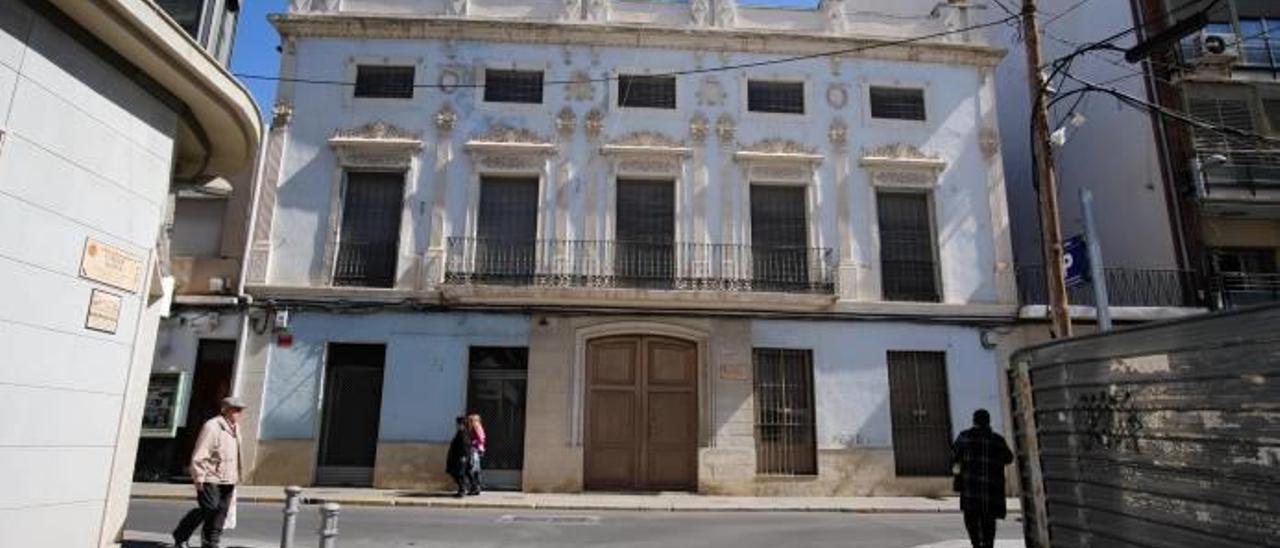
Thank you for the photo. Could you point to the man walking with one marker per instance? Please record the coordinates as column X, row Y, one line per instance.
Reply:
column 215, row 469
column 982, row 455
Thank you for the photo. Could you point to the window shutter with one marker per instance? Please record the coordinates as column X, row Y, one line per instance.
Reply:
column 370, row 239
column 907, row 267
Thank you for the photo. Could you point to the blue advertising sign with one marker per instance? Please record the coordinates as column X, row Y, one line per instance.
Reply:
column 1075, row 261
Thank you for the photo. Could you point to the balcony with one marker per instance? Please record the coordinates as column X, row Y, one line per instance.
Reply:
column 638, row 265
column 1236, row 289
column 1247, row 184
column 1126, row 287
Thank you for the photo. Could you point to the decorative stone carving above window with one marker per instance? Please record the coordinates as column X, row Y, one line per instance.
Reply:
column 726, row 130
column 700, row 12
column 446, row 119
column 726, row 13
column 837, row 21
column 281, row 114
column 581, row 87
column 647, row 143
column 510, row 140
column 457, row 7
column 839, row 132
column 699, row 128
column 572, row 10
column 904, row 178
column 599, row 10
column 778, row 150
column 376, row 144
column 593, row 123
column 902, row 156
column 648, row 165
column 566, row 121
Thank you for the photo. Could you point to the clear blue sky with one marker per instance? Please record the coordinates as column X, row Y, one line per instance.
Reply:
column 255, row 48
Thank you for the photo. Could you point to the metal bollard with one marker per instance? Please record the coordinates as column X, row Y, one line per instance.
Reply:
column 292, row 500
column 329, row 525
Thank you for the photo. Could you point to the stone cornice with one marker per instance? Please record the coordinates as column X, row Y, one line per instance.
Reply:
column 623, row 35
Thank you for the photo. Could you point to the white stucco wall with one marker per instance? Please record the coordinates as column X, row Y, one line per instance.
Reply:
column 425, row 375
column 575, row 207
column 86, row 154
column 851, row 380
column 1114, row 154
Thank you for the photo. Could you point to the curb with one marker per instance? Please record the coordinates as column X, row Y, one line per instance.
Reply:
column 497, row 505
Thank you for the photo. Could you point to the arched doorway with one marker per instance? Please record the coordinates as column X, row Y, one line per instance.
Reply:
column 641, row 420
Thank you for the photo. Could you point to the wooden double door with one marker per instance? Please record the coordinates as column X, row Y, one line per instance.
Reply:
column 641, row 414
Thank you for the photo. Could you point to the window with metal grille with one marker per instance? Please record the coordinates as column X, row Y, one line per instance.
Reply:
column 513, row 86
column 384, row 82
column 908, row 269
column 647, row 91
column 506, row 229
column 645, row 232
column 786, row 444
column 777, row 97
column 920, row 411
column 779, row 238
column 496, row 390
column 1233, row 113
column 369, row 242
column 897, row 103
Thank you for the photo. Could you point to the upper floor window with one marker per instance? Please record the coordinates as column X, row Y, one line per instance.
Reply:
column 369, row 241
column 779, row 237
column 384, row 82
column 908, row 269
column 507, row 229
column 897, row 103
column 647, row 91
column 645, row 224
column 775, row 97
column 1221, row 111
column 513, row 86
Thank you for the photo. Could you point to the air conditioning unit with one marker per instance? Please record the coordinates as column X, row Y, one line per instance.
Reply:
column 1216, row 48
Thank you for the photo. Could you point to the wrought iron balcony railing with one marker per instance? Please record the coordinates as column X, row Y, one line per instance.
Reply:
column 1244, row 289
column 366, row 264
column 639, row 265
column 1136, row 287
column 1247, row 169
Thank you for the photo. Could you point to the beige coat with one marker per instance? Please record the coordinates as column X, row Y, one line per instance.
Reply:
column 216, row 458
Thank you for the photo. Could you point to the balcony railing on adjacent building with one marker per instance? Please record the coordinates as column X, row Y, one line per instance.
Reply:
column 1234, row 289
column 639, row 265
column 1130, row 287
column 1245, row 169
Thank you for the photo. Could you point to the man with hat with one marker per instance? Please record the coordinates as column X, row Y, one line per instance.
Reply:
column 215, row 469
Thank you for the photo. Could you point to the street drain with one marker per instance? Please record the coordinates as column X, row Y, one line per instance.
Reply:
column 551, row 520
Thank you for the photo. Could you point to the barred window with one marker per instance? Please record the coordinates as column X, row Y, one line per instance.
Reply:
column 513, row 86
column 897, row 103
column 920, row 411
column 785, row 440
column 384, row 82
column 645, row 227
column 369, row 243
column 647, row 91
column 506, row 229
column 1232, row 113
column 778, row 97
column 779, row 238
column 907, row 266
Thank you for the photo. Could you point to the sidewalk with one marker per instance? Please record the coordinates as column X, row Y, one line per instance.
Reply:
column 658, row 502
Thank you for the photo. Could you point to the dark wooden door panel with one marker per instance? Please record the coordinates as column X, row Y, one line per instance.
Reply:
column 352, row 412
column 642, row 409
column 920, row 412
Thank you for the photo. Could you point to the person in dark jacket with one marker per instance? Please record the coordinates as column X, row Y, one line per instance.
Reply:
column 981, row 455
column 456, row 463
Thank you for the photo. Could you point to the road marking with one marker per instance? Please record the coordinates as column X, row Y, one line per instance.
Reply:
column 554, row 520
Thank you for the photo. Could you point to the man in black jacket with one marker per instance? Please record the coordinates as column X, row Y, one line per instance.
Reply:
column 982, row 455
column 456, row 462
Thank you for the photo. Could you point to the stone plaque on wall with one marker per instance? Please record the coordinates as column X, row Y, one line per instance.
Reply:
column 104, row 312
column 110, row 265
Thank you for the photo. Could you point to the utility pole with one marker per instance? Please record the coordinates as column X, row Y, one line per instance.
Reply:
column 1050, row 226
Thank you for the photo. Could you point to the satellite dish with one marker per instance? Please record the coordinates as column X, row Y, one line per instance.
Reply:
column 1216, row 45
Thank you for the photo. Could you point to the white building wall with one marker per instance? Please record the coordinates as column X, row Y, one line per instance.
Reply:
column 85, row 154
column 714, row 202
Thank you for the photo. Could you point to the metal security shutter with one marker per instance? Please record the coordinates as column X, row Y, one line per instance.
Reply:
column 785, row 439
column 779, row 237
column 384, row 82
column 513, row 86
column 920, row 411
column 647, row 91
column 907, row 267
column 897, row 103
column 645, row 233
column 506, row 229
column 780, row 97
column 369, row 243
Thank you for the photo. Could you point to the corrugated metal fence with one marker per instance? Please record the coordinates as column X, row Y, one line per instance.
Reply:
column 1164, row 435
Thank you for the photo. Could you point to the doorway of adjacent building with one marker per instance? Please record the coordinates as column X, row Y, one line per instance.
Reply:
column 641, row 414
column 351, row 413
column 496, row 390
column 161, row 459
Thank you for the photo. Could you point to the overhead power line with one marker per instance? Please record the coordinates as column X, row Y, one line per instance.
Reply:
column 686, row 72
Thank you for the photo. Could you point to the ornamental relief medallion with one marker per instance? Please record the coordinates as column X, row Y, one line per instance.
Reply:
column 837, row 96
column 839, row 132
column 711, row 93
column 580, row 88
column 446, row 119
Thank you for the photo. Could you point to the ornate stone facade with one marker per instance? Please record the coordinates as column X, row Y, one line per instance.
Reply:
column 375, row 131
column 510, row 135
column 776, row 145
column 699, row 128
column 726, row 130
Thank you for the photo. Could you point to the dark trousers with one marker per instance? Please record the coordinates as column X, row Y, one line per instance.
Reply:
column 213, row 501
column 982, row 529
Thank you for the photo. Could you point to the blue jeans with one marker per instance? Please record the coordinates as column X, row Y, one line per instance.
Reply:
column 473, row 469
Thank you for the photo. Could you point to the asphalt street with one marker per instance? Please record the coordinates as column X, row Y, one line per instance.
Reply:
column 368, row 527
